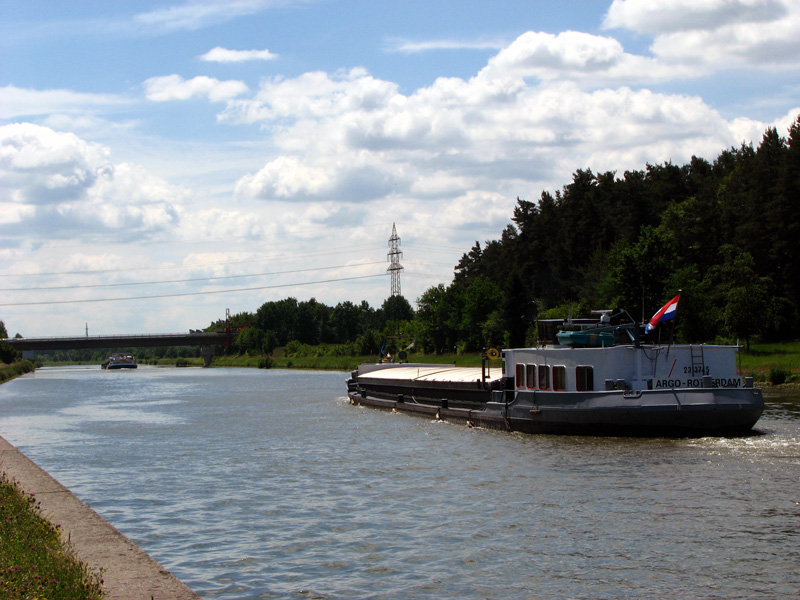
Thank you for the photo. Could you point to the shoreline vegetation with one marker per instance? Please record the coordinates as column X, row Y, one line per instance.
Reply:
column 15, row 369
column 768, row 364
column 36, row 561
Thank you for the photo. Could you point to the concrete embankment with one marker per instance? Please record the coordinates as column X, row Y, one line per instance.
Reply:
column 128, row 572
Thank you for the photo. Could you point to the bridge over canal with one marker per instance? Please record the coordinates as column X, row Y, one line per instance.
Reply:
column 206, row 340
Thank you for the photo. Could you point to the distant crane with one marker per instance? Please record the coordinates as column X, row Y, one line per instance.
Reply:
column 394, row 256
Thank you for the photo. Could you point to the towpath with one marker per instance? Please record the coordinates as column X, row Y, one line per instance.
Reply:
column 128, row 572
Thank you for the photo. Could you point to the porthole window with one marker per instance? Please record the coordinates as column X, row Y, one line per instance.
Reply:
column 520, row 375
column 559, row 378
column 544, row 377
column 530, row 376
column 584, row 379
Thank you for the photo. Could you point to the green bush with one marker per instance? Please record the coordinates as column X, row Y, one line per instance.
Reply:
column 778, row 375
column 7, row 353
column 15, row 370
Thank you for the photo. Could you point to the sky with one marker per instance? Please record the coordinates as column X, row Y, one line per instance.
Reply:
column 162, row 162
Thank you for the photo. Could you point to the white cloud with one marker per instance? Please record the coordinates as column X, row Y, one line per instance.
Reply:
column 748, row 130
column 313, row 95
column 715, row 33
column 473, row 207
column 577, row 56
column 12, row 213
column 218, row 264
column 41, row 166
column 195, row 15
column 354, row 138
column 130, row 198
column 20, row 102
column 535, row 52
column 762, row 45
column 175, row 87
column 215, row 223
column 65, row 184
column 412, row 47
column 80, row 261
column 223, row 55
column 439, row 183
column 285, row 177
column 645, row 16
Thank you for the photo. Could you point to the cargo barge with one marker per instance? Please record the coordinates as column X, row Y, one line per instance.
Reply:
column 587, row 378
column 119, row 361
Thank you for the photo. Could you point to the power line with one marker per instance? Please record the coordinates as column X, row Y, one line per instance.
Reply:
column 263, row 287
column 429, row 246
column 339, row 250
column 144, row 242
column 423, row 276
column 416, row 261
column 194, row 279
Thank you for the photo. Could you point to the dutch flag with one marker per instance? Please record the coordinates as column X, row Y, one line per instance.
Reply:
column 666, row 313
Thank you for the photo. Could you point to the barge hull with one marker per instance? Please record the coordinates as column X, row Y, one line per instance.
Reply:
column 734, row 415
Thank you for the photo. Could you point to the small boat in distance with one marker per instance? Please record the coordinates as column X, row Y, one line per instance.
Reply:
column 120, row 361
column 587, row 377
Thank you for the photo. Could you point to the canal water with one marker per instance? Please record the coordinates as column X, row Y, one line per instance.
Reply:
column 267, row 484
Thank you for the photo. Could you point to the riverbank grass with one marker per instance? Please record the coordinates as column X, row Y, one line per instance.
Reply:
column 35, row 562
column 776, row 363
column 15, row 369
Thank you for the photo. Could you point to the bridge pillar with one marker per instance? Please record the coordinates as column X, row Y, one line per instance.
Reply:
column 29, row 355
column 208, row 354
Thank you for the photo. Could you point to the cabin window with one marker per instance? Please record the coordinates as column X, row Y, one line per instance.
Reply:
column 559, row 378
column 520, row 375
column 544, row 377
column 584, row 379
column 530, row 376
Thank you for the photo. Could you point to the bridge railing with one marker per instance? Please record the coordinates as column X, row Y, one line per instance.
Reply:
column 192, row 338
column 136, row 336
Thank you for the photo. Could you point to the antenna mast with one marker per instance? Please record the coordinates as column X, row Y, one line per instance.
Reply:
column 394, row 256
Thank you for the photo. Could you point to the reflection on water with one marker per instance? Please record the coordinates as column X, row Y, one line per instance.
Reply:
column 268, row 484
column 783, row 405
column 114, row 414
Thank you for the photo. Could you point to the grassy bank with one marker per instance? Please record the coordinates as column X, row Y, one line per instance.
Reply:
column 773, row 363
column 15, row 369
column 35, row 561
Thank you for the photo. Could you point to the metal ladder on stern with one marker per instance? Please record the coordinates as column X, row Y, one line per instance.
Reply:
column 698, row 361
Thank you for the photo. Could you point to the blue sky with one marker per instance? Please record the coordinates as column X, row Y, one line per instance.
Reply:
column 222, row 154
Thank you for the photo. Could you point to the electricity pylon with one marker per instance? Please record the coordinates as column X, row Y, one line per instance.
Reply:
column 394, row 256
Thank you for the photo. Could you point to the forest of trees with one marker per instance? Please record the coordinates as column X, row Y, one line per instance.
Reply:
column 347, row 329
column 726, row 233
